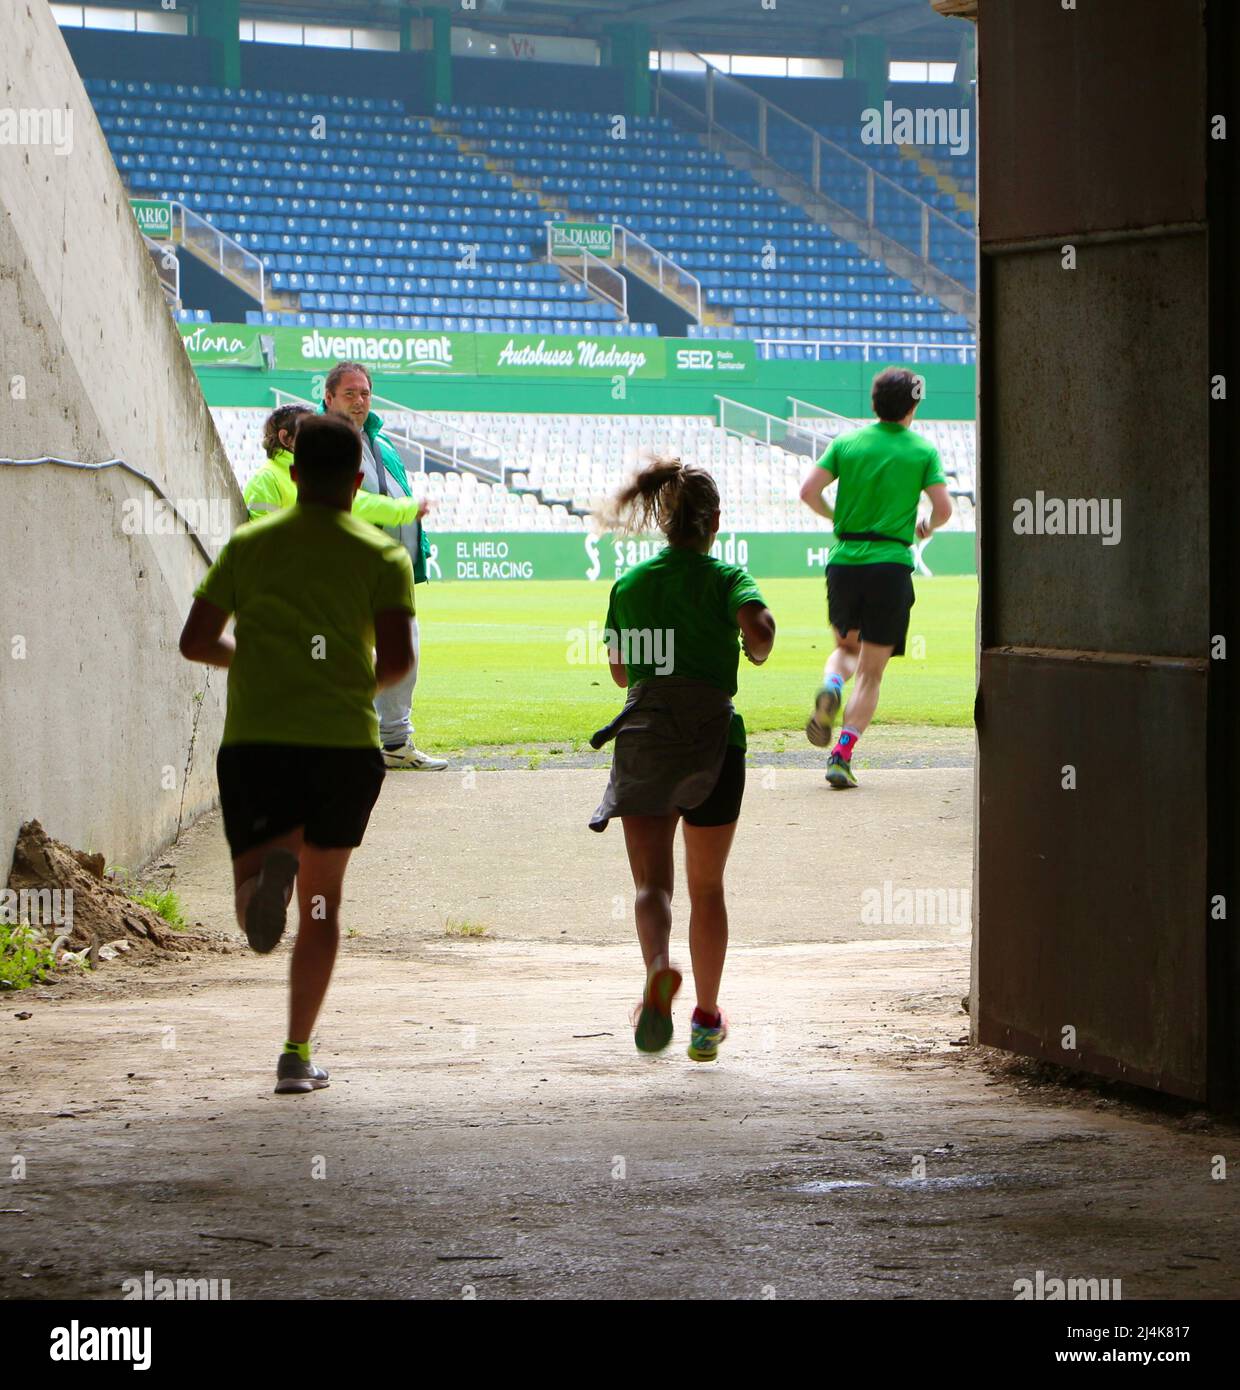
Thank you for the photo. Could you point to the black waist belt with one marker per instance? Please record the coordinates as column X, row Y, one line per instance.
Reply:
column 870, row 536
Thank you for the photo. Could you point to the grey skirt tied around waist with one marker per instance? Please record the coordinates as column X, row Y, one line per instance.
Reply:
column 671, row 737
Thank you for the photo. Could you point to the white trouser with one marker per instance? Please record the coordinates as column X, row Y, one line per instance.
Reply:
column 394, row 704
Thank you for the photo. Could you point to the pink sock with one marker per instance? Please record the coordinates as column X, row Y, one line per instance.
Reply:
column 847, row 742
column 706, row 1020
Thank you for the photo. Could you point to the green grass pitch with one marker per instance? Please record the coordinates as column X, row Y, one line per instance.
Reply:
column 496, row 665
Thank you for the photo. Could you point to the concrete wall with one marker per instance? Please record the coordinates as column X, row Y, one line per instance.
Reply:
column 96, row 706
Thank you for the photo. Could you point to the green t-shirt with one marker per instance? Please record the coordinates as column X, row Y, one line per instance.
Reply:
column 675, row 615
column 305, row 585
column 882, row 471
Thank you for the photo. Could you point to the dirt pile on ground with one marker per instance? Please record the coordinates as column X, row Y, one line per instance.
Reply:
column 66, row 896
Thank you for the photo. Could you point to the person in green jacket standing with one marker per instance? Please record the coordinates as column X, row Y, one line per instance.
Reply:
column 385, row 499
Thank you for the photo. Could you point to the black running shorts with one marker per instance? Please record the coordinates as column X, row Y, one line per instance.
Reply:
column 269, row 789
column 723, row 805
column 875, row 599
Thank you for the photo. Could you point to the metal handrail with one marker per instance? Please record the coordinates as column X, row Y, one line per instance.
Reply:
column 820, row 410
column 622, row 235
column 878, row 348
column 497, row 472
column 819, row 143
column 167, row 268
column 824, row 424
column 793, row 436
column 725, row 401
column 618, row 299
column 426, row 415
column 185, row 525
column 714, row 73
column 670, row 274
column 247, row 268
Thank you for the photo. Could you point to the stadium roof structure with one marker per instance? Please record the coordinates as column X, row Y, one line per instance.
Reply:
column 798, row 28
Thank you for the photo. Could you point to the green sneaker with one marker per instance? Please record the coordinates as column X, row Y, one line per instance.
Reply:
column 840, row 773
column 652, row 1029
column 818, row 725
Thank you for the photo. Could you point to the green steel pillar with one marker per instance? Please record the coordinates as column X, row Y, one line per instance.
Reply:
column 406, row 31
column 629, row 50
column 220, row 24
column 865, row 57
column 966, row 65
column 440, row 57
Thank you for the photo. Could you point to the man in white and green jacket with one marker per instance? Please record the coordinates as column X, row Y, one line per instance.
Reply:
column 385, row 499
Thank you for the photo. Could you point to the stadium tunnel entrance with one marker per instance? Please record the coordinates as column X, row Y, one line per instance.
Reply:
column 487, row 1118
column 1106, row 839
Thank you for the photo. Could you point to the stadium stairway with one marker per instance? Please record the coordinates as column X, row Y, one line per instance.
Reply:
column 927, row 277
column 639, row 256
column 368, row 230
column 928, row 165
column 942, row 277
column 715, row 221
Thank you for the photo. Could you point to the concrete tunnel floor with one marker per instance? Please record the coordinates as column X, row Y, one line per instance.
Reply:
column 490, row 1130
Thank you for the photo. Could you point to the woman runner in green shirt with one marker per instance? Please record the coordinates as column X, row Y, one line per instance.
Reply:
column 672, row 632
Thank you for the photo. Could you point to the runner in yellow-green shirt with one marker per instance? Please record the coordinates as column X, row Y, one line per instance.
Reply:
column 322, row 604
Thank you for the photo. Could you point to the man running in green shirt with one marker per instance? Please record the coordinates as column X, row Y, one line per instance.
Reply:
column 315, row 592
column 883, row 470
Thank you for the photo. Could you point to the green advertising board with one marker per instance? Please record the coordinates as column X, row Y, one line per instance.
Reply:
column 583, row 358
column 463, row 372
column 222, row 344
column 154, row 218
column 572, row 238
column 521, row 555
column 531, row 356
column 691, row 359
column 319, row 349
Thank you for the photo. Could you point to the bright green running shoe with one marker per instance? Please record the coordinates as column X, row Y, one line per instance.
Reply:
column 705, row 1038
column 818, row 725
column 840, row 773
column 653, row 1029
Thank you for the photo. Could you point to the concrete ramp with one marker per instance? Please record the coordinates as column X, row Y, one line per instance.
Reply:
column 105, row 733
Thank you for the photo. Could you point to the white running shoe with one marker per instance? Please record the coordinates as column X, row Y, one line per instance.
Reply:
column 411, row 759
column 295, row 1077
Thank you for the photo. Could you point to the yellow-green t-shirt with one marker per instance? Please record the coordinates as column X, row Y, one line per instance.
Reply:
column 304, row 586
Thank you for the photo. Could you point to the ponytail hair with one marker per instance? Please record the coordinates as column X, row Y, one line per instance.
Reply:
column 680, row 499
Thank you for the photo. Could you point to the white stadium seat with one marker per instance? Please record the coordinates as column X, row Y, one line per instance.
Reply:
column 557, row 467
